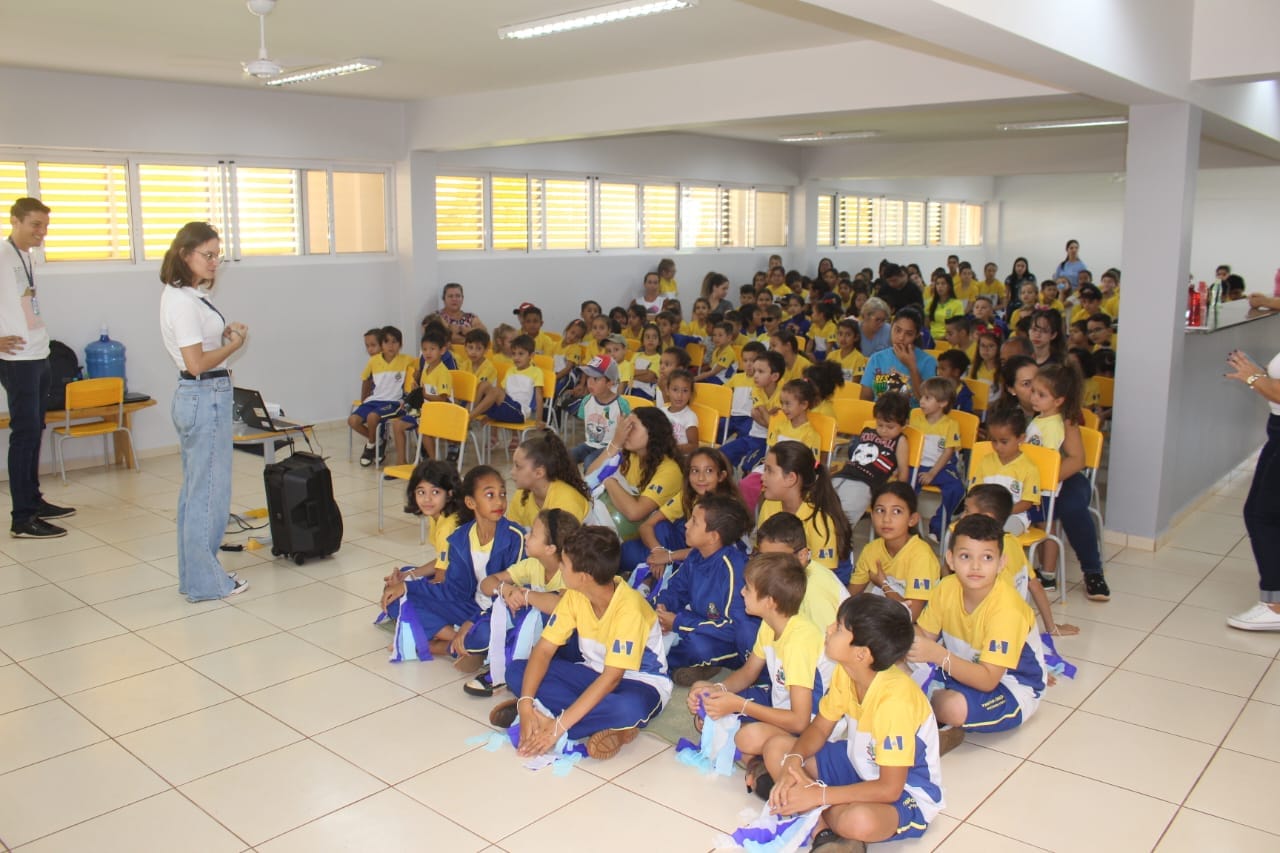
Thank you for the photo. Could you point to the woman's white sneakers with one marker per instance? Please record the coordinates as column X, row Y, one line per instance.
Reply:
column 1260, row 617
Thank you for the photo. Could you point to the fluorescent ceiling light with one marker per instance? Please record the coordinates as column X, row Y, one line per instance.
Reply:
column 592, row 17
column 322, row 72
column 1106, row 121
column 822, row 136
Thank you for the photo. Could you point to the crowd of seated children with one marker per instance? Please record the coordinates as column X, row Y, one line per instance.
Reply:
column 637, row 472
column 601, row 409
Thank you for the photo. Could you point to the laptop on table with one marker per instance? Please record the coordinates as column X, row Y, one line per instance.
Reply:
column 252, row 411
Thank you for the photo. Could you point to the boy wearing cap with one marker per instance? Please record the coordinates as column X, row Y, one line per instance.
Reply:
column 601, row 410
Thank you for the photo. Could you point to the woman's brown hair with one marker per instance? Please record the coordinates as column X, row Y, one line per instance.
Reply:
column 173, row 269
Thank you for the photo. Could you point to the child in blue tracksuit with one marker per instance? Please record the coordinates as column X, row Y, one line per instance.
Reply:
column 702, row 605
column 445, row 617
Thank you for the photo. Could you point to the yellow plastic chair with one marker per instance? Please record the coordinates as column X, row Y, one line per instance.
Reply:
column 802, row 343
column 848, row 391
column 548, row 410
column 465, row 386
column 556, row 337
column 697, row 355
column 719, row 398
column 1106, row 391
column 851, row 415
column 439, row 421
column 637, row 402
column 1049, row 464
column 981, row 392
column 1090, row 419
column 825, row 425
column 92, row 394
column 1093, row 441
column 708, row 425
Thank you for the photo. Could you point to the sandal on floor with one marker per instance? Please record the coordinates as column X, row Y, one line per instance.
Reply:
column 828, row 842
column 481, row 686
column 759, row 782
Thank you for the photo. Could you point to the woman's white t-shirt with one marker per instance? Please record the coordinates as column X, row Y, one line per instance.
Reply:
column 186, row 319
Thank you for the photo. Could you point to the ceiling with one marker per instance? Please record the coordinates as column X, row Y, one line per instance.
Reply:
column 428, row 47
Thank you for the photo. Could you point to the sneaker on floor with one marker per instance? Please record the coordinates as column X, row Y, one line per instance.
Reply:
column 1259, row 617
column 1095, row 587
column 686, row 676
column 1047, row 581
column 828, row 842
column 47, row 510
column 605, row 744
column 949, row 738
column 503, row 715
column 35, row 528
column 366, row 458
column 241, row 586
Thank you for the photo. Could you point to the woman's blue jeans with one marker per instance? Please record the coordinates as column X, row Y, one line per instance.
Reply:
column 202, row 417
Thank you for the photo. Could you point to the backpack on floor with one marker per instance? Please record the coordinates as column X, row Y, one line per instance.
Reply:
column 64, row 368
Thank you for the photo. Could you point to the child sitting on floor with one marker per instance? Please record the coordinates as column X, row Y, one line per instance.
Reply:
column 823, row 593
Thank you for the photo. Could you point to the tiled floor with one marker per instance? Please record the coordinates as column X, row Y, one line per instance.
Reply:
column 131, row 720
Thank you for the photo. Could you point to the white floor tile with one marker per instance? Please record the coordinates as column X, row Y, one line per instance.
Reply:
column 77, row 564
column 971, row 773
column 143, row 700
column 82, row 667
column 1166, row 706
column 141, row 826
column 57, row 632
column 1255, row 732
column 34, row 602
column 303, row 605
column 155, row 608
column 14, row 577
column 1268, row 689
column 974, row 839
column 1198, row 665
column 1195, row 832
column 117, row 583
column 328, row 698
column 207, row 631
column 1230, row 786
column 596, row 816
column 261, row 663
column 32, row 734
column 18, row 689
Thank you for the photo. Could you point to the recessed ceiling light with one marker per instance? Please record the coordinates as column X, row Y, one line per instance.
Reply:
column 321, row 72
column 824, row 136
column 592, row 17
column 1106, row 121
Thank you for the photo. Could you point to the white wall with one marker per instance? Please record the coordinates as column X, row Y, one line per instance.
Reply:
column 305, row 315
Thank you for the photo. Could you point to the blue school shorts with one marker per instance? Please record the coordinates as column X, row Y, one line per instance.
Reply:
column 506, row 412
column 834, row 768
column 381, row 408
column 994, row 711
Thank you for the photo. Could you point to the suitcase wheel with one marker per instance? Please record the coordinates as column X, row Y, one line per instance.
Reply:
column 275, row 553
column 298, row 559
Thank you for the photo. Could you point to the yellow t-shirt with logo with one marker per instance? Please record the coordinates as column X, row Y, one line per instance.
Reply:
column 436, row 381
column 1046, row 431
column 913, row 572
column 483, row 372
column 854, row 364
column 823, row 595
column 793, row 658
column 770, row 400
column 531, row 573
column 391, row 379
column 819, row 531
column 939, row 436
column 666, row 482
column 1021, row 476
column 781, row 429
column 796, row 370
column 523, row 509
column 823, row 337
column 439, row 529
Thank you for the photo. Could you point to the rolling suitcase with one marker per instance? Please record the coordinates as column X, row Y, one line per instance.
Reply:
column 305, row 519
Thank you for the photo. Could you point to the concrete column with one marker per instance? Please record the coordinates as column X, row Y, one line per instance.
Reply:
column 1160, row 187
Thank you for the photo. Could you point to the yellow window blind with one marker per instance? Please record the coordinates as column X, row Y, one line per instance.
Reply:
column 891, row 222
column 562, row 214
column 359, row 212
column 509, row 201
column 459, row 213
column 617, row 215
column 971, row 225
column 933, row 223
column 267, row 211
column 90, row 203
column 771, row 219
column 699, row 217
column 658, row 215
column 823, row 230
column 173, row 195
column 13, row 183
column 737, row 218
column 915, row 223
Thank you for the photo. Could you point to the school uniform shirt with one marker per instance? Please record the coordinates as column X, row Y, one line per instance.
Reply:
column 471, row 562
column 626, row 372
column 436, row 381
column 941, row 314
column 743, row 395
column 544, row 344
column 1090, row 396
column 1078, row 314
column 781, row 429
column 819, row 531
column 1001, row 631
column 483, row 371
column 523, row 509
column 1057, row 303
column 1111, row 306
column 724, row 362
column 627, row 636
column 986, row 373
column 391, row 379
column 872, row 459
column 823, row 337
column 673, row 509
column 439, row 529
column 1021, row 476
column 705, row 593
column 854, row 364
column 771, row 402
column 569, row 354
column 667, row 481
column 913, row 572
column 885, row 372
column 531, row 573
column 600, row 420
column 796, row 370
column 1017, row 571
column 681, row 421
column 694, row 329
column 644, row 361
column 994, row 288
column 825, row 407
column 667, row 285
column 779, row 292
column 521, row 385
column 823, row 595
column 793, row 658
column 939, row 436
column 1046, row 431
column 892, row 726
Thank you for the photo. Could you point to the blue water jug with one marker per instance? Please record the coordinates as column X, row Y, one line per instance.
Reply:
column 105, row 357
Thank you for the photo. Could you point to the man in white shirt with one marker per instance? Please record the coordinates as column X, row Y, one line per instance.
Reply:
column 24, row 372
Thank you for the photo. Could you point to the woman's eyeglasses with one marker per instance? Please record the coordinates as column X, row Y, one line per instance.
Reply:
column 211, row 257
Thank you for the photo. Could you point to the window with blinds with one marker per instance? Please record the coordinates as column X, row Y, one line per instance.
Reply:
column 859, row 223
column 617, row 215
column 699, row 217
column 971, row 225
column 659, row 205
column 459, row 213
column 13, row 182
column 737, row 218
column 933, row 223
column 173, row 195
column 771, row 219
column 915, row 223
column 91, row 203
column 823, row 228
column 315, row 193
column 561, row 210
column 267, row 211
column 509, row 219
column 892, row 225
column 359, row 212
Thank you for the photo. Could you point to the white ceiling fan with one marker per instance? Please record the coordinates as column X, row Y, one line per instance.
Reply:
column 272, row 73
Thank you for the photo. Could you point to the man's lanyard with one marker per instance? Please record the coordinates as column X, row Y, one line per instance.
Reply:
column 26, row 267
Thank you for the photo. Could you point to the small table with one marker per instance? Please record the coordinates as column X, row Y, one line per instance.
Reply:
column 245, row 434
column 123, row 447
